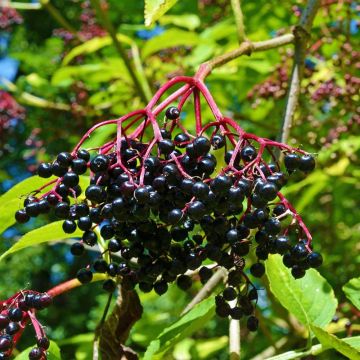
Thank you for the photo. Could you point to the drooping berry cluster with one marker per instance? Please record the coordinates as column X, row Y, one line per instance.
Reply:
column 161, row 200
column 15, row 314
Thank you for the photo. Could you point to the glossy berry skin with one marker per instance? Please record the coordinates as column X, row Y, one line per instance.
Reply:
column 21, row 216
column 307, row 163
column 315, row 259
column 89, row 237
column 181, row 138
column 205, row 274
column 268, row 191
column 184, row 282
column 79, row 166
column 297, row 272
column 64, row 159
column 196, row 210
column 160, row 287
column 84, row 276
column 84, row 223
column 4, row 321
column 299, row 251
column 257, row 270
column 43, row 343
column 172, row 113
column 58, row 170
column 45, row 170
column 291, row 161
column 69, row 226
column 201, row 146
column 36, row 354
column 6, row 343
column 221, row 184
column 166, row 146
column 229, row 294
column 15, row 315
column 12, row 328
column 174, row 216
column 218, row 141
column 77, row 249
column 248, row 153
column 83, row 154
column 95, row 193
column 99, row 163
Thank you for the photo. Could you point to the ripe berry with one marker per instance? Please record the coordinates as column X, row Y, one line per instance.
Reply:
column 43, row 343
column 218, row 141
column 257, row 270
column 181, row 138
column 291, row 161
column 79, row 166
column 36, row 354
column 109, row 285
column 297, row 272
column 248, row 153
column 252, row 323
column 42, row 301
column 21, row 216
column 64, row 159
column 200, row 190
column 89, row 237
column 6, row 343
column 44, row 170
column 77, row 249
column 114, row 245
column 307, row 163
column 83, row 154
column 268, row 191
column 12, row 328
column 279, row 209
column 196, row 210
column 229, row 294
column 99, row 163
column 142, row 195
column 221, row 184
column 113, row 269
column 32, row 209
column 166, row 146
column 84, row 223
column 315, row 259
column 69, row 226
column 184, row 282
column 62, row 210
column 174, row 216
column 84, row 276
column 282, row 244
column 272, row 226
column 223, row 310
column 299, row 251
column 205, row 274
column 172, row 113
column 161, row 287
column 15, row 314
column 58, row 170
column 201, row 146
column 95, row 193
column 4, row 321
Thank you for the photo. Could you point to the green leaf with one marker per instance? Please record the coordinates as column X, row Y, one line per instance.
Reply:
column 13, row 200
column 187, row 21
column 331, row 341
column 315, row 350
column 47, row 233
column 94, row 45
column 310, row 299
column 185, row 326
column 53, row 353
column 154, row 9
column 352, row 291
column 169, row 38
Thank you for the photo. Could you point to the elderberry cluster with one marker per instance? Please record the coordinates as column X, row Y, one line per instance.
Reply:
column 14, row 316
column 162, row 208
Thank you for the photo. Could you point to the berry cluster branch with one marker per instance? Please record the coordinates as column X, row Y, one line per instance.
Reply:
column 301, row 33
column 239, row 19
column 104, row 18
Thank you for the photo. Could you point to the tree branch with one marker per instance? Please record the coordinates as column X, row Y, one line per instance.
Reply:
column 247, row 47
column 239, row 19
column 301, row 33
column 207, row 289
column 104, row 18
column 234, row 337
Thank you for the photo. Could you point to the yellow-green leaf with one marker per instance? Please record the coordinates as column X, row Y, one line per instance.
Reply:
column 154, row 9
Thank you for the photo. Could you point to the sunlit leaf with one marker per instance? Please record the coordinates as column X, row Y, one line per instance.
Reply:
column 154, row 9
column 352, row 291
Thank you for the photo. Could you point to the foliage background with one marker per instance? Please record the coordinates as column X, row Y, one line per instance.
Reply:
column 94, row 85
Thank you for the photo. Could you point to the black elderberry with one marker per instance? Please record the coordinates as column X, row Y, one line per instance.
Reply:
column 307, row 163
column 221, row 184
column 196, row 210
column 36, row 354
column 21, row 216
column 279, row 209
column 114, row 245
column 245, row 185
column 62, row 210
column 89, row 237
column 32, row 209
column 70, row 179
column 45, row 170
column 172, row 113
column 44, row 206
column 84, row 275
column 69, row 226
column 58, row 170
column 15, row 314
column 299, row 251
column 229, row 294
column 109, row 285
column 252, row 323
column 142, row 195
column 42, row 301
column 64, row 159
column 241, row 248
column 272, row 226
column 100, row 265
column 6, row 343
column 77, row 249
column 166, row 146
column 184, row 282
column 174, row 216
column 257, row 270
column 43, row 343
column 248, row 153
column 268, row 191
column 84, row 223
column 12, row 328
column 180, row 139
column 218, row 141
column 4, row 321
column 200, row 190
column 236, row 313
column 232, row 236
column 201, row 146
column 205, row 274
column 234, row 278
column 291, row 161
column 314, row 259
column 95, row 193
column 251, row 221
column 261, row 237
column 223, row 309
column 83, row 154
column 79, row 166
column 113, row 269
column 297, row 272
column 99, row 163
column 165, row 134
column 160, row 287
